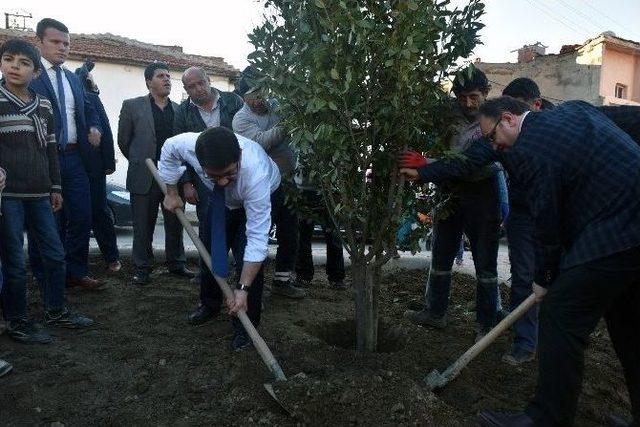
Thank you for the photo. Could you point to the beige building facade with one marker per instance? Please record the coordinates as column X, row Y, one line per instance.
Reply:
column 604, row 71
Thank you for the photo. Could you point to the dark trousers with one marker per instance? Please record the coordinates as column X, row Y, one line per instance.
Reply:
column 520, row 229
column 102, row 224
column 476, row 215
column 286, row 221
column 74, row 219
column 16, row 213
column 335, row 258
column 210, row 293
column 569, row 313
column 145, row 214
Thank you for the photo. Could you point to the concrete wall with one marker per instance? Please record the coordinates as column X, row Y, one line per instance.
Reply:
column 560, row 77
column 120, row 82
column 589, row 74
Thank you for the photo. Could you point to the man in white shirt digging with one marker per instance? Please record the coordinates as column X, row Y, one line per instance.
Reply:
column 245, row 197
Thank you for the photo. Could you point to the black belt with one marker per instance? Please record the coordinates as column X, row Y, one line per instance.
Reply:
column 68, row 148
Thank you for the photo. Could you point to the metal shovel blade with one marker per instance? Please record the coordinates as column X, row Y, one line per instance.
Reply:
column 435, row 380
column 272, row 393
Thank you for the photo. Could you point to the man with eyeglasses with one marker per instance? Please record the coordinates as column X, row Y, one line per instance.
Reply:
column 581, row 175
column 241, row 176
column 473, row 209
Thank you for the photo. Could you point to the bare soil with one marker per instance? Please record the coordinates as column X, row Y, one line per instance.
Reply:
column 141, row 364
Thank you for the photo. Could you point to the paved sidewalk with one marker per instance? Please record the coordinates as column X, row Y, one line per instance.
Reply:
column 420, row 260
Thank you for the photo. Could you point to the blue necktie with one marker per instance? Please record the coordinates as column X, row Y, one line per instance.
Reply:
column 217, row 223
column 62, row 106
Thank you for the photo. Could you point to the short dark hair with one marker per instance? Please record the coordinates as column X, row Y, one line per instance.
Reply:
column 49, row 23
column 522, row 88
column 469, row 79
column 151, row 69
column 547, row 105
column 22, row 47
column 496, row 106
column 217, row 148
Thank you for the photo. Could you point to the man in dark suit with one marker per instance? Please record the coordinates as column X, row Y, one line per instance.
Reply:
column 104, row 162
column 145, row 123
column 582, row 175
column 78, row 135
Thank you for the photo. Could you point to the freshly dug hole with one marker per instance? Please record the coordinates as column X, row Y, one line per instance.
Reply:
column 342, row 334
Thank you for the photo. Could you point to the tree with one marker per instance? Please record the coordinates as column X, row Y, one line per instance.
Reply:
column 358, row 81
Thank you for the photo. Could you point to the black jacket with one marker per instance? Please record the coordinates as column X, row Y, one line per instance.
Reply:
column 187, row 119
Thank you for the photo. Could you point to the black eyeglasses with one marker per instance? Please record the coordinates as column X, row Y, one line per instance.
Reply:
column 229, row 175
column 491, row 136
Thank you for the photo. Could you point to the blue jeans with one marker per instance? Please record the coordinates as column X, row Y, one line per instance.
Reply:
column 74, row 220
column 476, row 215
column 39, row 215
column 520, row 231
column 102, row 225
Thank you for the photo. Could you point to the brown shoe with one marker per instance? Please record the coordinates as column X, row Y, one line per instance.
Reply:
column 114, row 266
column 86, row 282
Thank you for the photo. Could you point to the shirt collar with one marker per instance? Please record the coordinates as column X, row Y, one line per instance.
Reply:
column 524, row 116
column 216, row 101
column 153, row 102
column 47, row 65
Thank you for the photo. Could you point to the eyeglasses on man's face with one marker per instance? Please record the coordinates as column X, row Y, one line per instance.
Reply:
column 491, row 136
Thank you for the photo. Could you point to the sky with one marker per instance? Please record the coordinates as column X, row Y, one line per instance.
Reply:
column 220, row 27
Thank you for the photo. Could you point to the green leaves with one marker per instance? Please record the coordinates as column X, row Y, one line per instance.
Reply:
column 357, row 82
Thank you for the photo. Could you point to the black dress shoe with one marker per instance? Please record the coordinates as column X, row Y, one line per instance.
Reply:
column 240, row 341
column 201, row 315
column 183, row 272
column 140, row 277
column 496, row 419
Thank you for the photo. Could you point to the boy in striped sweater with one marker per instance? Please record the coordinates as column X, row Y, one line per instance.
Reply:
column 28, row 155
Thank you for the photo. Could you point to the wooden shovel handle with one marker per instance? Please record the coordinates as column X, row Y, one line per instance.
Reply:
column 258, row 342
column 488, row 339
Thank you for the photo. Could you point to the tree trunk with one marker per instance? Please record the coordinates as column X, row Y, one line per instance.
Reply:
column 365, row 280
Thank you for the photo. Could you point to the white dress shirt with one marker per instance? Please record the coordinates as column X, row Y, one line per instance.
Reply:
column 70, row 102
column 257, row 178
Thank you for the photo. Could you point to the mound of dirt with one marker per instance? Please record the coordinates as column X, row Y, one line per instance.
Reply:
column 143, row 364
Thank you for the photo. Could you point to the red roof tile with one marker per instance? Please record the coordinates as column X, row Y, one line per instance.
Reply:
column 121, row 50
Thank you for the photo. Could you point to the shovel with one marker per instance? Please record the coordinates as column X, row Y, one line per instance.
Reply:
column 436, row 380
column 258, row 342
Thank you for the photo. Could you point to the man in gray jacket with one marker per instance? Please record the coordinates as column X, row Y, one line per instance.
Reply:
column 257, row 121
column 145, row 123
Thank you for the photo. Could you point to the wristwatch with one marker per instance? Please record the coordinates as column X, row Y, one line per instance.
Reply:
column 242, row 287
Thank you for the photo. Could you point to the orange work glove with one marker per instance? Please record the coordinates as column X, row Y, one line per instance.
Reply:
column 412, row 159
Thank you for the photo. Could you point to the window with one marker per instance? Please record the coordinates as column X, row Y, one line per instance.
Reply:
column 621, row 91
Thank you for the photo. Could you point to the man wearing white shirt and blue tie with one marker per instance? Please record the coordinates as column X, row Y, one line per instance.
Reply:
column 78, row 136
column 245, row 197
